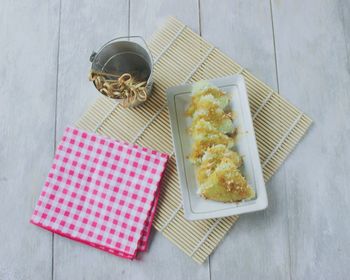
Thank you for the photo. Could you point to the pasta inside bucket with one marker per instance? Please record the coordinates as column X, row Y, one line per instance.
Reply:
column 122, row 69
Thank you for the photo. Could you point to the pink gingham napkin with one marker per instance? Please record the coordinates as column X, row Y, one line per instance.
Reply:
column 101, row 192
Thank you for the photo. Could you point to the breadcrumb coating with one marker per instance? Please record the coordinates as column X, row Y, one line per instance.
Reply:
column 213, row 133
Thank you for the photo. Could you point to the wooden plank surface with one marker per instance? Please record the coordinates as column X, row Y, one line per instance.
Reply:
column 258, row 244
column 312, row 44
column 164, row 260
column 27, row 117
column 304, row 234
column 85, row 26
column 244, row 32
column 74, row 94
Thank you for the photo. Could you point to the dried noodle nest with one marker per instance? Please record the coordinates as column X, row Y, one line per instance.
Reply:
column 123, row 87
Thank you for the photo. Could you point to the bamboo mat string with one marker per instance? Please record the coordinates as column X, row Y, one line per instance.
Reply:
column 171, row 218
column 106, row 117
column 182, row 55
column 280, row 143
column 205, row 237
column 189, row 77
column 240, row 70
column 177, row 35
column 148, row 123
column 263, row 104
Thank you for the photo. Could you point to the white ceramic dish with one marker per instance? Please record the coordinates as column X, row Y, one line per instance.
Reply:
column 196, row 207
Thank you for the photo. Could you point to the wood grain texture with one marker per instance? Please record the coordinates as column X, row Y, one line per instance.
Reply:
column 27, row 113
column 257, row 245
column 85, row 26
column 280, row 117
column 312, row 40
column 164, row 260
column 74, row 94
column 304, row 234
column 156, row 12
column 243, row 30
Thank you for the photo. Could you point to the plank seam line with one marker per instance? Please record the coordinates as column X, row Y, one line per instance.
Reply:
column 262, row 105
column 171, row 218
column 201, row 242
column 280, row 143
column 199, row 64
column 55, row 123
column 177, row 35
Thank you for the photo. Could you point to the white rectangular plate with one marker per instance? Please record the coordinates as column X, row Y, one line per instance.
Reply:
column 196, row 207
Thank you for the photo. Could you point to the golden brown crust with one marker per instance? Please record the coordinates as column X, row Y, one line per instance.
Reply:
column 218, row 172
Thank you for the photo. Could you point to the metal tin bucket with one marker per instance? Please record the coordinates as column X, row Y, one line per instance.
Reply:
column 125, row 55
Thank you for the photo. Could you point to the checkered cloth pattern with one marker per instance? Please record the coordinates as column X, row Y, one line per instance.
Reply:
column 101, row 192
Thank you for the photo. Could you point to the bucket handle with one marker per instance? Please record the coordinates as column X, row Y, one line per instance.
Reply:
column 143, row 44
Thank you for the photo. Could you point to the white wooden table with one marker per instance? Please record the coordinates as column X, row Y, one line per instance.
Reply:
column 301, row 48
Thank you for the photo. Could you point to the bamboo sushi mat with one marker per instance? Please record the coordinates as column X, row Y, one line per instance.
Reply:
column 182, row 56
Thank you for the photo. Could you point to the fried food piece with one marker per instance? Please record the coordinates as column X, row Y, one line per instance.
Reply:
column 202, row 128
column 205, row 136
column 213, row 157
column 221, row 99
column 210, row 110
column 213, row 133
column 226, row 184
